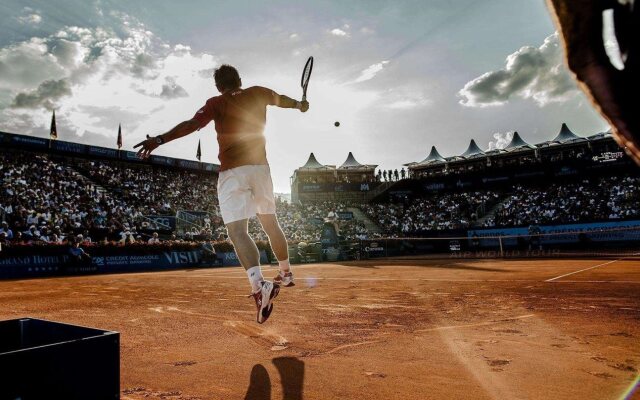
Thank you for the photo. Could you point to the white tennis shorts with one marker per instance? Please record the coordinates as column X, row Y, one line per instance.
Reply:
column 245, row 191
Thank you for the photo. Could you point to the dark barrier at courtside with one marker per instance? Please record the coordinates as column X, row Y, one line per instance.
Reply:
column 41, row 261
column 59, row 262
column 50, row 360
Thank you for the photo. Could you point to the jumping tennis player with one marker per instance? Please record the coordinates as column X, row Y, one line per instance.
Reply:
column 245, row 188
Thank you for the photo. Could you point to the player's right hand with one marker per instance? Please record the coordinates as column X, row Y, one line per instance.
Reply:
column 304, row 106
column 146, row 147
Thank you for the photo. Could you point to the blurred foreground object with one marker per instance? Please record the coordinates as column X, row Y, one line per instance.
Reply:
column 613, row 92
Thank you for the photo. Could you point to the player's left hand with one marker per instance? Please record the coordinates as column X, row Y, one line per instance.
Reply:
column 146, row 147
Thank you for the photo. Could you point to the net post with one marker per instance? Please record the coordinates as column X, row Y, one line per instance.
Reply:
column 501, row 248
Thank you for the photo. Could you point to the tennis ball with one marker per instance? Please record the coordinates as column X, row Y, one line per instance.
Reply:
column 336, row 124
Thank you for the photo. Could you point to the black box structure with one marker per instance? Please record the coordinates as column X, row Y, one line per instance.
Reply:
column 49, row 360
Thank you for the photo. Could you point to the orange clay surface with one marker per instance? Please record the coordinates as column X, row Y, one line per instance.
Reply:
column 410, row 329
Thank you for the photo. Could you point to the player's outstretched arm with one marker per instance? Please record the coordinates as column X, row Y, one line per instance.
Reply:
column 151, row 143
column 283, row 101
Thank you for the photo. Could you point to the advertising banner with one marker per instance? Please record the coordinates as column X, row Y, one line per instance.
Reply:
column 62, row 264
column 69, row 147
column 30, row 141
column 163, row 221
column 103, row 152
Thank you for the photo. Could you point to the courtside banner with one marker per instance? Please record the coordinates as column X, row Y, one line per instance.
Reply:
column 12, row 267
column 345, row 215
column 611, row 231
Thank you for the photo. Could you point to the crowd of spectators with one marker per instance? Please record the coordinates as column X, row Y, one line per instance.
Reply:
column 154, row 190
column 304, row 222
column 609, row 198
column 52, row 200
column 438, row 212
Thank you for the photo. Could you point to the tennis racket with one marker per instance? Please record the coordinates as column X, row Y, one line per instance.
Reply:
column 306, row 74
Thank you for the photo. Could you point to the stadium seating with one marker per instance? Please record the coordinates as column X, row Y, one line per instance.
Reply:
column 50, row 198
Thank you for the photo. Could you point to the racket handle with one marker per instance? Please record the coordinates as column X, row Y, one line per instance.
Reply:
column 304, row 97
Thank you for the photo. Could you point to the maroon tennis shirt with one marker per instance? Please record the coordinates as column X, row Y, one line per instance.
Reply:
column 240, row 116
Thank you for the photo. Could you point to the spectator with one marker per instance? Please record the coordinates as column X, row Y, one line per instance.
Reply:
column 154, row 239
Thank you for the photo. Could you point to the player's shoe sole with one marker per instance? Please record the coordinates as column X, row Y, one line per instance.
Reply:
column 264, row 298
column 284, row 280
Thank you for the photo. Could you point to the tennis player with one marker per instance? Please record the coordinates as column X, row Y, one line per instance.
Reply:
column 245, row 188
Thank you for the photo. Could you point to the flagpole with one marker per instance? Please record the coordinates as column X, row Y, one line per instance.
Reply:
column 119, row 141
column 53, row 130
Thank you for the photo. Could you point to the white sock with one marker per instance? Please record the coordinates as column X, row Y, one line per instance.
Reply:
column 284, row 265
column 255, row 278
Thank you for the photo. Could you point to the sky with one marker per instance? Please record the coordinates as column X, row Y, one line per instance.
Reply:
column 399, row 76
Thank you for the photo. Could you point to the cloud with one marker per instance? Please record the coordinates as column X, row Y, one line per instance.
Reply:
column 338, row 32
column 124, row 70
column 44, row 96
column 407, row 104
column 171, row 90
column 29, row 17
column 500, row 140
column 536, row 73
column 371, row 71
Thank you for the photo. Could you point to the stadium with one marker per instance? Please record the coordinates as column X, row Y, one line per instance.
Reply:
column 508, row 272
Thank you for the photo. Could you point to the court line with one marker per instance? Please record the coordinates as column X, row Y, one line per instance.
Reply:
column 582, row 270
column 493, row 322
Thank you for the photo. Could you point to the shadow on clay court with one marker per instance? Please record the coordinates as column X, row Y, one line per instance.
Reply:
column 291, row 375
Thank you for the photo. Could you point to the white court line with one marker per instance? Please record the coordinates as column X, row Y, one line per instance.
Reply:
column 582, row 270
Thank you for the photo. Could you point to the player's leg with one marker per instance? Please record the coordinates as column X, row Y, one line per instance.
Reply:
column 279, row 246
column 263, row 292
column 264, row 200
column 236, row 206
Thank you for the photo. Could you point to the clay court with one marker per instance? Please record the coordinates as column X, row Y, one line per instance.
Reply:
column 384, row 329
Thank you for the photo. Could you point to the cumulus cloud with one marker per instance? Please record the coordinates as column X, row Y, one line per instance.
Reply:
column 29, row 17
column 124, row 70
column 171, row 90
column 371, row 71
column 338, row 32
column 536, row 73
column 500, row 140
column 44, row 96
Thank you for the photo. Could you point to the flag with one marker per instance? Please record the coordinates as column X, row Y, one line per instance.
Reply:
column 119, row 136
column 53, row 132
column 199, row 153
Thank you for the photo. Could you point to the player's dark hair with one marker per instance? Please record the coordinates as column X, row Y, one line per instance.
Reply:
column 227, row 77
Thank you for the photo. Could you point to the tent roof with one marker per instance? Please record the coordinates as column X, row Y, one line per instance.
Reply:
column 517, row 142
column 312, row 163
column 472, row 150
column 433, row 156
column 351, row 162
column 565, row 134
